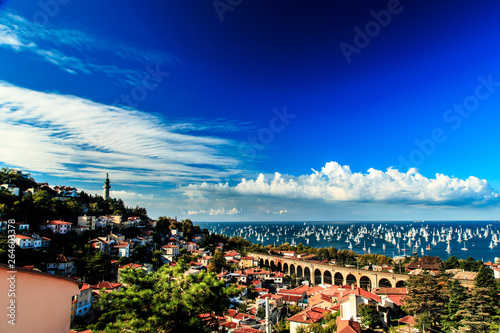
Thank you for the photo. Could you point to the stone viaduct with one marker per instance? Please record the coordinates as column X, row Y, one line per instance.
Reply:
column 329, row 274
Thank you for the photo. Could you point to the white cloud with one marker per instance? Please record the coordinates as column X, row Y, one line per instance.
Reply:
column 68, row 136
column 212, row 211
column 56, row 45
column 337, row 183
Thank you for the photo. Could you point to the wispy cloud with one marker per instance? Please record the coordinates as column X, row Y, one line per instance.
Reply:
column 74, row 51
column 212, row 211
column 337, row 183
column 68, row 136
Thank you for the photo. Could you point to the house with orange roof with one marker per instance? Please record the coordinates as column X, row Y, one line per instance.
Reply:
column 191, row 246
column 350, row 300
column 306, row 317
column 107, row 286
column 171, row 250
column 348, row 326
column 81, row 302
column 247, row 262
column 32, row 241
column 288, row 254
column 61, row 265
column 57, row 226
column 122, row 249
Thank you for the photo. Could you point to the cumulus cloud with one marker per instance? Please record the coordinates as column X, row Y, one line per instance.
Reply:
column 337, row 183
column 72, row 137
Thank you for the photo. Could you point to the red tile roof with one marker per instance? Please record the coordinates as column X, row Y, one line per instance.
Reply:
column 410, row 320
column 309, row 315
column 348, row 326
column 359, row 292
column 58, row 222
column 106, row 285
column 243, row 316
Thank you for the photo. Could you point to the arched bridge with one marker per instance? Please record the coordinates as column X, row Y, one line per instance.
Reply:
column 329, row 274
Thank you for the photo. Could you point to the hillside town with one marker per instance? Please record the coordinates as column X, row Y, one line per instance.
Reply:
column 274, row 289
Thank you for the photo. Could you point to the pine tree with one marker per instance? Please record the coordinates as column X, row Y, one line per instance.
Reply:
column 457, row 297
column 426, row 299
column 478, row 312
column 164, row 301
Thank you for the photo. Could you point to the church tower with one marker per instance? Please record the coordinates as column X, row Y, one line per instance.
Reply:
column 106, row 188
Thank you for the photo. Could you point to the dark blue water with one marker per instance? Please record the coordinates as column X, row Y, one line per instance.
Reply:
column 474, row 236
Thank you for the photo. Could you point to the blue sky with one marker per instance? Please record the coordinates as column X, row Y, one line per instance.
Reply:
column 258, row 110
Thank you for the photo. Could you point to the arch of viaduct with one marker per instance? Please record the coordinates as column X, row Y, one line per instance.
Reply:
column 327, row 274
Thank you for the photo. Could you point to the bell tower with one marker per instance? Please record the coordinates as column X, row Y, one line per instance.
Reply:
column 106, row 188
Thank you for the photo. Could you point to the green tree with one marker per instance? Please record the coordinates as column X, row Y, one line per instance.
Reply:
column 457, row 297
column 426, row 298
column 261, row 312
column 218, row 261
column 164, row 301
column 369, row 315
column 477, row 316
column 97, row 264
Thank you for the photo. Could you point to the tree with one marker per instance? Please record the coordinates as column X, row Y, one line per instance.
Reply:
column 369, row 315
column 261, row 312
column 477, row 316
column 425, row 298
column 457, row 297
column 97, row 264
column 164, row 301
column 218, row 261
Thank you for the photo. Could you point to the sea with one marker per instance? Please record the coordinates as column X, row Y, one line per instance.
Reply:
column 462, row 239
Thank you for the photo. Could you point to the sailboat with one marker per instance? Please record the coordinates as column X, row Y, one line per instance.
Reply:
column 491, row 245
column 464, row 248
column 364, row 246
column 383, row 247
column 350, row 245
column 448, row 248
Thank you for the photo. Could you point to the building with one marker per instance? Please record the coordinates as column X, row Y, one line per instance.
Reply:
column 32, row 241
column 123, row 249
column 22, row 228
column 14, row 190
column 247, row 262
column 106, row 188
column 88, row 221
column 427, row 263
column 81, row 302
column 348, row 326
column 65, row 192
column 40, row 302
column 61, row 265
column 349, row 303
column 191, row 246
column 306, row 317
column 107, row 286
column 171, row 250
column 57, row 226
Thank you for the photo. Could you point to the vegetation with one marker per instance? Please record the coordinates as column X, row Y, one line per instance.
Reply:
column 369, row 315
column 164, row 301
